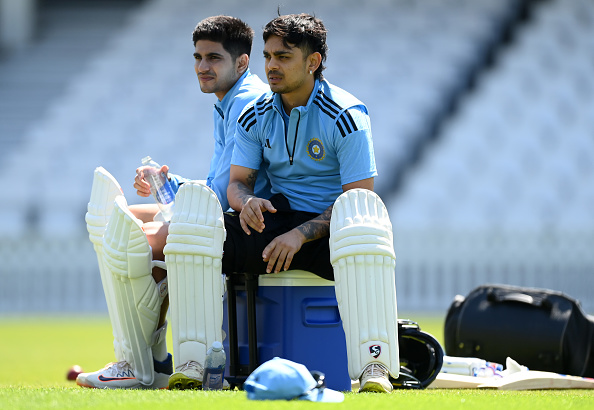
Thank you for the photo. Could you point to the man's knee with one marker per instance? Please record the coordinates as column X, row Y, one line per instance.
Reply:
column 156, row 233
column 144, row 212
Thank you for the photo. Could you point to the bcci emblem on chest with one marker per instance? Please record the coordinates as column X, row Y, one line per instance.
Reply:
column 315, row 149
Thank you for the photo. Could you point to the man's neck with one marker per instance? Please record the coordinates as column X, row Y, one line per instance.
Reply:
column 221, row 94
column 297, row 98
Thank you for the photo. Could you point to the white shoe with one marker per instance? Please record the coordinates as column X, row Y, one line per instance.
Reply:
column 375, row 379
column 187, row 376
column 120, row 375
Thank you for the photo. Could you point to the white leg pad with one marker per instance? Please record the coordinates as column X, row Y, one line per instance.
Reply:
column 127, row 257
column 193, row 255
column 362, row 255
column 103, row 193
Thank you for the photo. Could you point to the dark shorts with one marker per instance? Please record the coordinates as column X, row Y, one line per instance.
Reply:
column 243, row 253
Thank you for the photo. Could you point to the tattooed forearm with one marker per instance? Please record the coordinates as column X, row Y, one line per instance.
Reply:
column 317, row 227
column 243, row 191
column 241, row 186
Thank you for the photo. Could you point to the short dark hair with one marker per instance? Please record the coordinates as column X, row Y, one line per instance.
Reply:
column 235, row 35
column 300, row 30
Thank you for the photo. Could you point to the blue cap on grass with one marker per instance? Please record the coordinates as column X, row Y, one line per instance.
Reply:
column 281, row 379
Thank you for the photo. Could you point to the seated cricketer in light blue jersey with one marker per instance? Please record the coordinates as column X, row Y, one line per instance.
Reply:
column 314, row 141
column 311, row 153
column 222, row 46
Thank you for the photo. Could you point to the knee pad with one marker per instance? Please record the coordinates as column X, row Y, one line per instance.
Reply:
column 362, row 255
column 104, row 190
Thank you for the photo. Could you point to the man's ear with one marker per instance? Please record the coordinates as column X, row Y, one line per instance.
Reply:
column 314, row 60
column 241, row 63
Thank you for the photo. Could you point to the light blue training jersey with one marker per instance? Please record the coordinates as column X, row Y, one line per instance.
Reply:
column 225, row 115
column 326, row 144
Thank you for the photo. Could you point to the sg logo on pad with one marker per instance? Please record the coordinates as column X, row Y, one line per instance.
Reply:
column 375, row 351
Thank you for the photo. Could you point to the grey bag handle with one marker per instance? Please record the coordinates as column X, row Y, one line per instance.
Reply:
column 518, row 297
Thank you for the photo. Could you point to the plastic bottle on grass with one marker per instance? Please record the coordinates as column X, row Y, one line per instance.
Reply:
column 214, row 367
column 160, row 187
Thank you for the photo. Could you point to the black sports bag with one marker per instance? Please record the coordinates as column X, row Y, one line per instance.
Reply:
column 539, row 328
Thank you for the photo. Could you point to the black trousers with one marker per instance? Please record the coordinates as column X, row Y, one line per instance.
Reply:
column 243, row 253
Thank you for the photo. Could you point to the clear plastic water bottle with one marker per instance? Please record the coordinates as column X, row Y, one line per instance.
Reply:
column 160, row 187
column 214, row 367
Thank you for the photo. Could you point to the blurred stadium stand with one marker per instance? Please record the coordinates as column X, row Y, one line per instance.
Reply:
column 505, row 193
column 482, row 113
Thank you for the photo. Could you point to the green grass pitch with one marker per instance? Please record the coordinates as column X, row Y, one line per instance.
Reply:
column 36, row 353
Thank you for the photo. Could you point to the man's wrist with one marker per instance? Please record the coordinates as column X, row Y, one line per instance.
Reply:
column 246, row 199
column 300, row 232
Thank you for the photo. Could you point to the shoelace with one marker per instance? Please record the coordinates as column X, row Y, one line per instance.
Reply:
column 117, row 368
column 375, row 370
column 190, row 365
